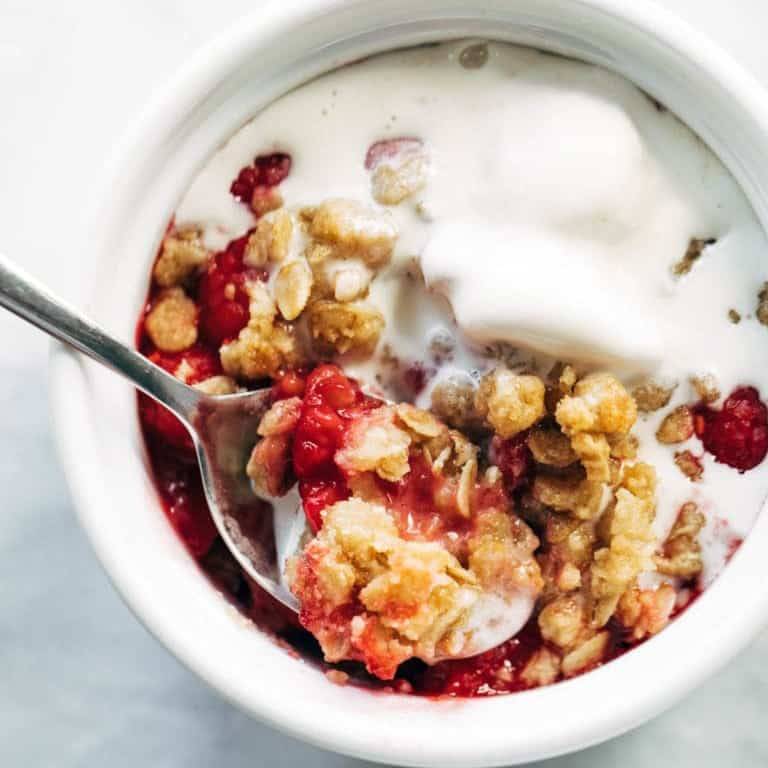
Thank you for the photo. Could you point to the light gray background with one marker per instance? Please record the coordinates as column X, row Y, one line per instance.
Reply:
column 81, row 682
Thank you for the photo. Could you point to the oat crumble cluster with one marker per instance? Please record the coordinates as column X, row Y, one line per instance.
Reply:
column 515, row 487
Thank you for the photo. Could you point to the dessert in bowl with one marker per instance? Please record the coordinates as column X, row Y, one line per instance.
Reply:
column 488, row 403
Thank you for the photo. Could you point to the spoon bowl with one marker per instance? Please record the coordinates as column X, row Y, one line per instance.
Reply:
column 223, row 428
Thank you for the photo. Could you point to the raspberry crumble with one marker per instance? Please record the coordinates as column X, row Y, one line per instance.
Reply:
column 484, row 510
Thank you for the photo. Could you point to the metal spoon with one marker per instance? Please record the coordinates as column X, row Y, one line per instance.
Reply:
column 223, row 428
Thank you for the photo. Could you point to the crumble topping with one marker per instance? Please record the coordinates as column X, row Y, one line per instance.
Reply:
column 652, row 396
column 762, row 305
column 352, row 228
column 695, row 249
column 181, row 257
column 510, row 402
column 677, row 426
column 690, row 465
column 681, row 553
column 266, row 345
column 375, row 444
column 398, row 169
column 706, row 387
column 172, row 321
column 344, row 327
column 217, row 385
column 412, row 598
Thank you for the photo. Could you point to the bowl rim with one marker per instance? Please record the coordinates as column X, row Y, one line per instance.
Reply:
column 207, row 66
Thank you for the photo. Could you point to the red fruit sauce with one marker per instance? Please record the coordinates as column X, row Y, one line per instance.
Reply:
column 737, row 434
column 514, row 459
column 222, row 295
column 331, row 401
column 265, row 171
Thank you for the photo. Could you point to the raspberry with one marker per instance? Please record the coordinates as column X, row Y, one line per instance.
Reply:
column 319, row 493
column 222, row 294
column 182, row 492
column 290, row 384
column 316, row 440
column 266, row 171
column 737, row 434
column 331, row 402
column 197, row 363
column 190, row 517
column 513, row 458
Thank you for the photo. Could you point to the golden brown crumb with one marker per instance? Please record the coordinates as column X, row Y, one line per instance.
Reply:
column 569, row 578
column 734, row 316
column 421, row 424
column 217, row 385
column 510, row 402
column 355, row 228
column 651, row 396
column 646, row 612
column 586, row 655
column 341, row 328
column 599, row 403
column 568, row 492
column 681, row 553
column 171, row 324
column 415, row 595
column 397, row 178
column 676, row 427
column 692, row 255
column 560, row 382
column 628, row 527
column 453, row 401
column 542, row 668
column 264, row 346
column 562, row 621
column 281, row 418
column 268, row 465
column 182, row 255
column 551, row 447
column 501, row 555
column 623, row 447
column 689, row 465
column 706, row 387
column 374, row 443
column 762, row 305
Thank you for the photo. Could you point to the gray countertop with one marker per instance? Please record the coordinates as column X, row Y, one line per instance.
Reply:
column 81, row 682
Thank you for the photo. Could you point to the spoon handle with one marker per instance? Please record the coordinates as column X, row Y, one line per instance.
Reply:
column 23, row 296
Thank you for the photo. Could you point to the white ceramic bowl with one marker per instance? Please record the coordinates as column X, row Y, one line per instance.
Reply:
column 279, row 47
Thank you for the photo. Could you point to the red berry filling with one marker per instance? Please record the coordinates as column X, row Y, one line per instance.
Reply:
column 222, row 294
column 197, row 363
column 182, row 492
column 266, row 171
column 331, row 401
column 514, row 459
column 737, row 434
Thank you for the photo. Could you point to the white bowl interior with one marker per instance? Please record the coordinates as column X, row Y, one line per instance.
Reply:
column 277, row 49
